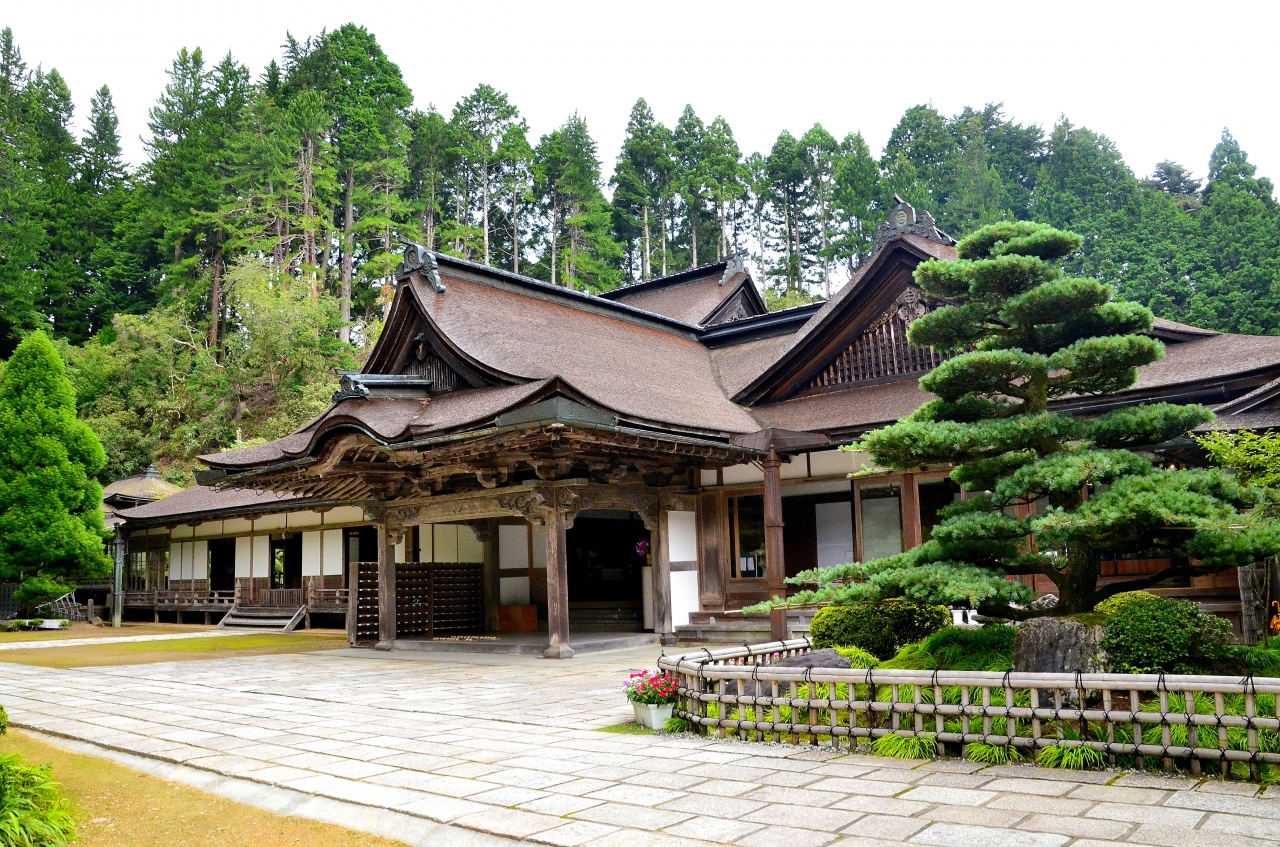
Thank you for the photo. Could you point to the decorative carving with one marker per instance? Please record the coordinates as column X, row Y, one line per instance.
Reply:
column 491, row 477
column 419, row 258
column 526, row 503
column 882, row 350
column 734, row 266
column 903, row 219
column 608, row 474
column 552, row 469
column 350, row 388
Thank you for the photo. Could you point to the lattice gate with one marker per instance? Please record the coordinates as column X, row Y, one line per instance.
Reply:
column 432, row 599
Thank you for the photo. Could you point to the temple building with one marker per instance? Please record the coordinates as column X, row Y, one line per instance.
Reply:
column 517, row 456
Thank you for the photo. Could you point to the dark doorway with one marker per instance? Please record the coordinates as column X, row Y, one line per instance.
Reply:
column 286, row 561
column 360, row 544
column 222, row 564
column 605, row 559
column 606, row 556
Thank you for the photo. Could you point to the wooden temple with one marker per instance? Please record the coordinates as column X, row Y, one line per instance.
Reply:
column 517, row 455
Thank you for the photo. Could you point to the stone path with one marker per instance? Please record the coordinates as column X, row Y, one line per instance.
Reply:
column 505, row 746
column 117, row 639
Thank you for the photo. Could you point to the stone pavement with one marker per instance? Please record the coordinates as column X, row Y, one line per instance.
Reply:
column 481, row 746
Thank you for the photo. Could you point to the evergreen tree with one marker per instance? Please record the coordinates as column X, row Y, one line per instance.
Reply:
column 820, row 151
column 1078, row 486
column 722, row 172
column 978, row 196
column 1176, row 181
column 432, row 158
column 855, row 189
column 689, row 176
column 481, row 121
column 640, row 177
column 50, row 503
column 925, row 140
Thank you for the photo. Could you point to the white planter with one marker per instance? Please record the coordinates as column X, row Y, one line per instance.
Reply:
column 654, row 717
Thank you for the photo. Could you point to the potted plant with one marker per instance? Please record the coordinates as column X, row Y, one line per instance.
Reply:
column 652, row 695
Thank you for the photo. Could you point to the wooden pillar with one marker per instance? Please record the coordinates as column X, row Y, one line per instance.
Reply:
column 353, row 601
column 386, row 586
column 487, row 533
column 557, row 585
column 775, row 564
column 911, row 532
column 660, row 544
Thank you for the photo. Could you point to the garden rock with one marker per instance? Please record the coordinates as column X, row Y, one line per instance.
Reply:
column 827, row 658
column 1055, row 645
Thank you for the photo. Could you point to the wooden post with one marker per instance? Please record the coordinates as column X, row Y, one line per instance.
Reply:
column 660, row 544
column 488, row 536
column 353, row 601
column 386, row 586
column 911, row 531
column 557, row 585
column 775, row 564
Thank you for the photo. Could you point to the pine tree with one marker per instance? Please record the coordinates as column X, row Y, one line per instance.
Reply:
column 643, row 169
column 1078, row 486
column 855, row 189
column 978, row 196
column 481, row 121
column 722, row 169
column 924, row 138
column 432, row 158
column 689, row 178
column 820, row 151
column 50, row 504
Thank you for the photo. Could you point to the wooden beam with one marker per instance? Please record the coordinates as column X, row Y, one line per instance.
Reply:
column 353, row 599
column 911, row 532
column 660, row 543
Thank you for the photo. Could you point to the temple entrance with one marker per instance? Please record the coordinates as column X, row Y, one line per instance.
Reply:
column 606, row 555
column 222, row 564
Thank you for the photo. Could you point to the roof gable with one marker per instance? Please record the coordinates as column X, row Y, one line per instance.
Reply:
column 860, row 334
column 713, row 294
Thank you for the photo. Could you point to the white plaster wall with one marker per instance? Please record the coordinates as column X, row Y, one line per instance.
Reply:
column 539, row 546
column 276, row 521
column 243, row 543
column 684, row 596
column 208, row 528
column 470, row 548
column 181, row 532
column 178, row 558
column 199, row 561
column 797, row 468
column 425, row 545
column 311, row 544
column 707, row 478
column 513, row 590
column 682, row 534
column 739, row 474
column 298, row 519
column 446, row 542
column 513, row 546
column 237, row 526
column 261, row 556
column 332, row 564
column 400, row 550
column 345, row 514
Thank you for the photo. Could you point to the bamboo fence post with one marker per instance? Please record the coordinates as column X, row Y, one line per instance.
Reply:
column 1193, row 731
column 1135, row 706
column 1220, row 708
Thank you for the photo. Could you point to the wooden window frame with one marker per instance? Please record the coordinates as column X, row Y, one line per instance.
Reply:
column 731, row 536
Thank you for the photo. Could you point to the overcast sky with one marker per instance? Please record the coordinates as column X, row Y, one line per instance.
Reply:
column 1160, row 79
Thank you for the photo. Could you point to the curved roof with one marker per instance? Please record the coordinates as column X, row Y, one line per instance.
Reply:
column 145, row 486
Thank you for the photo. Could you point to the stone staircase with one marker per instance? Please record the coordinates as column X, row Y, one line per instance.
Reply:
column 263, row 618
column 733, row 627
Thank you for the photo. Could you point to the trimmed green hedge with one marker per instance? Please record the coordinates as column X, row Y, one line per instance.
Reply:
column 881, row 628
column 1152, row 634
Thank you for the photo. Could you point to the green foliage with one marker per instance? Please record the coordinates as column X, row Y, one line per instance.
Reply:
column 1116, row 602
column 987, row 648
column 1253, row 456
column 879, row 628
column 50, row 503
column 33, row 812
column 1025, row 335
column 1161, row 634
column 4, row 721
column 39, row 589
column 920, row 746
column 858, row 657
column 676, row 725
column 1071, row 758
column 993, row 754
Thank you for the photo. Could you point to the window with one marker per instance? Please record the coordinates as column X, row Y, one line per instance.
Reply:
column 934, row 496
column 746, row 531
column 880, row 519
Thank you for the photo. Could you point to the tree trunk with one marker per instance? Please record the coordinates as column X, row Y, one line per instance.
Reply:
column 1078, row 581
column 348, row 246
column 693, row 235
column 555, row 238
column 515, row 231
column 664, row 245
column 215, row 297
column 644, row 256
column 308, row 214
column 484, row 209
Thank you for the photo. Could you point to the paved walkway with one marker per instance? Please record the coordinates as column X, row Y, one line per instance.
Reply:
column 505, row 745
column 118, row 639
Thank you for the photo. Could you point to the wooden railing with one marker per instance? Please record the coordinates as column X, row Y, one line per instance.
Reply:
column 325, row 597
column 1191, row 718
column 288, row 597
column 193, row 598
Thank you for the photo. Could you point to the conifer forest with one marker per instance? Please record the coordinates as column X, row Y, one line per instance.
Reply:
column 205, row 298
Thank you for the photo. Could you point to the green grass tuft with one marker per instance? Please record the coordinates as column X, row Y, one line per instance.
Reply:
column 33, row 812
column 993, row 754
column 923, row 746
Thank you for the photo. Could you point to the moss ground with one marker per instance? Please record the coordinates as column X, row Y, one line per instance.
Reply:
column 80, row 629
column 117, row 806
column 177, row 650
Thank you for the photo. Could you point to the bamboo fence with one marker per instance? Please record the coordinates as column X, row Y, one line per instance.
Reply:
column 736, row 691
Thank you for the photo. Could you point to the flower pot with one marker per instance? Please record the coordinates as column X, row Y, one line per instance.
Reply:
column 654, row 717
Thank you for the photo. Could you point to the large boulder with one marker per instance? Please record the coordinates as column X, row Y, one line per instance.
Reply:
column 1057, row 645
column 827, row 658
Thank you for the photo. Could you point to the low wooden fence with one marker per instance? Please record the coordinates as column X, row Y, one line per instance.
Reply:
column 1193, row 718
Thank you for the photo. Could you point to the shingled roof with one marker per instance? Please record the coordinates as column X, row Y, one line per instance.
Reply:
column 657, row 356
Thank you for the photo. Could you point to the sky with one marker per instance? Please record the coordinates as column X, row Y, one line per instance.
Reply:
column 1161, row 80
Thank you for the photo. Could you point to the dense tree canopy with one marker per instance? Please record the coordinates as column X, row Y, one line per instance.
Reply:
column 1049, row 492
column 50, row 503
column 307, row 176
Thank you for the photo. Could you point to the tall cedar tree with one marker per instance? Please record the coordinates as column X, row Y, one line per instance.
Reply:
column 1035, row 336
column 50, row 503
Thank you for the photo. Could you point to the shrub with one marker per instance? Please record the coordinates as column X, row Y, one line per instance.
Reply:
column 40, row 589
column 4, row 721
column 880, row 627
column 674, row 724
column 1160, row 634
column 858, row 657
column 33, row 812
column 1116, row 602
column 954, row 648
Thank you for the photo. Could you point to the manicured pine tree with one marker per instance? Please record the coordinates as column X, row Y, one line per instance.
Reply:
column 50, row 504
column 1078, row 487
